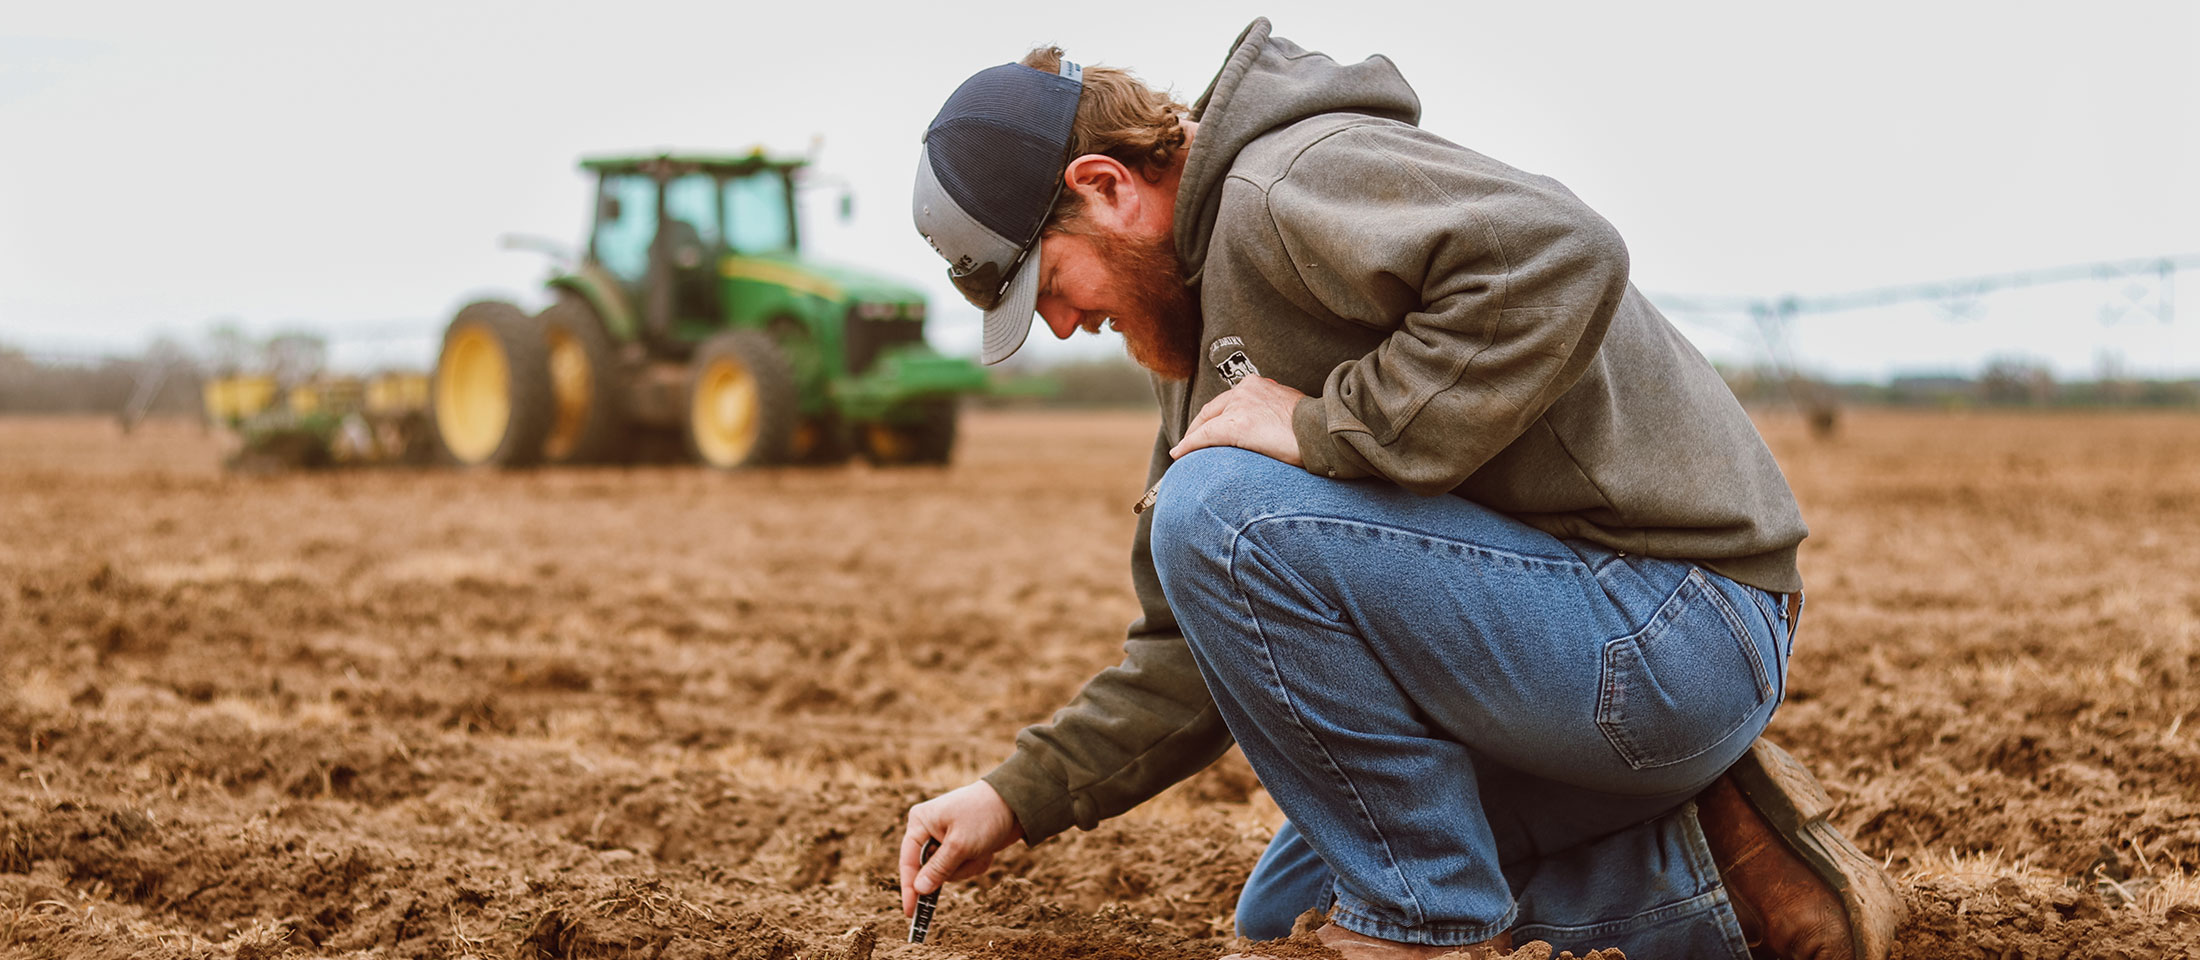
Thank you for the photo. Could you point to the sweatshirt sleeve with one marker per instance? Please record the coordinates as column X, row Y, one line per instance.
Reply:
column 1133, row 731
column 1496, row 287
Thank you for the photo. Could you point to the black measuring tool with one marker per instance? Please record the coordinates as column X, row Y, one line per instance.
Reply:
column 921, row 924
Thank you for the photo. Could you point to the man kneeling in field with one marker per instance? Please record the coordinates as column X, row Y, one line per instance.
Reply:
column 1470, row 551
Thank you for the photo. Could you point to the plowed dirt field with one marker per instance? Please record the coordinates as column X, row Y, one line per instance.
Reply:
column 666, row 713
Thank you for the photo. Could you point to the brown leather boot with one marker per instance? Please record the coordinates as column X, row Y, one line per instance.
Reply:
column 1800, row 889
column 1357, row 946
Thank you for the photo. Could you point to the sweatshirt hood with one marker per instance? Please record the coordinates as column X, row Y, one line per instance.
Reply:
column 1266, row 84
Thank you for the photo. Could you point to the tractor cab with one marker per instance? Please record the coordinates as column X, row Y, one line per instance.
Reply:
column 665, row 223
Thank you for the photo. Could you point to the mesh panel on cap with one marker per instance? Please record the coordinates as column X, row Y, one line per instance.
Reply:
column 991, row 173
column 997, row 146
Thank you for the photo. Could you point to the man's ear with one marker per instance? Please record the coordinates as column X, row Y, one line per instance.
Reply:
column 1105, row 183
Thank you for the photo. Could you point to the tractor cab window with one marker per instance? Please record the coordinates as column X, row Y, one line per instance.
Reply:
column 691, row 211
column 626, row 222
column 758, row 216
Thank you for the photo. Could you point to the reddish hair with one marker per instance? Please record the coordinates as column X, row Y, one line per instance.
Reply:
column 1117, row 116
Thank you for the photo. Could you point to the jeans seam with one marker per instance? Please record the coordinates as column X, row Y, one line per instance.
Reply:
column 1268, row 661
column 1477, row 549
column 1740, row 632
column 1388, row 930
column 1307, row 591
column 1693, row 904
column 1607, row 688
column 1765, row 607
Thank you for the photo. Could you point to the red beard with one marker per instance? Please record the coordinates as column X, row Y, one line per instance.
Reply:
column 1157, row 316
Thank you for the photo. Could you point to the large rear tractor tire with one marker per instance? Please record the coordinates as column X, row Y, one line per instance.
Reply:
column 929, row 439
column 589, row 422
column 492, row 401
column 742, row 407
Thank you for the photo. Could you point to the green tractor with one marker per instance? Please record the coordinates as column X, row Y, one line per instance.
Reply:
column 693, row 315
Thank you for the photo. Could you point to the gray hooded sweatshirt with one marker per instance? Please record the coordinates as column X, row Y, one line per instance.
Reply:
column 1460, row 328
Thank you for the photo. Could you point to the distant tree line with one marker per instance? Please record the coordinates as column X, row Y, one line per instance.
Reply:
column 174, row 375
column 31, row 384
column 1105, row 382
column 2006, row 381
column 2002, row 382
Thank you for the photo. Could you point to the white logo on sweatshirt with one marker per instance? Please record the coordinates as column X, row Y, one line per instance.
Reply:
column 1235, row 367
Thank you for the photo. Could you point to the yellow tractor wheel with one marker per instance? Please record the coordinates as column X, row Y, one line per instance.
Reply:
column 589, row 423
column 491, row 399
column 742, row 410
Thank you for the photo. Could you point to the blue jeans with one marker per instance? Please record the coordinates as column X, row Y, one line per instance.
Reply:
column 1473, row 726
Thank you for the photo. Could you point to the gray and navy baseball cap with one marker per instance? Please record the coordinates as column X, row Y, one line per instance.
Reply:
column 988, row 175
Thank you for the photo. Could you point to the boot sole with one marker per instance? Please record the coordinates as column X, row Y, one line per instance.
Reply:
column 1791, row 799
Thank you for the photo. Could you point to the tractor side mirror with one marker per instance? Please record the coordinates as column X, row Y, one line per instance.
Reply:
column 610, row 209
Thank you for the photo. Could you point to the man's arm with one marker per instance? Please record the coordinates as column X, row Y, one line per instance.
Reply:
column 1134, row 730
column 1497, row 285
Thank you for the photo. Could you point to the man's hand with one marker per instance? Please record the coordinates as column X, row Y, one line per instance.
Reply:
column 972, row 823
column 1255, row 415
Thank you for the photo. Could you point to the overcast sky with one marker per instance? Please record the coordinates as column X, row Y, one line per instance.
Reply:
column 351, row 169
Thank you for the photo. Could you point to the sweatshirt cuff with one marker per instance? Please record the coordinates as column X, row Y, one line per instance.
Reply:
column 1035, row 795
column 1317, row 446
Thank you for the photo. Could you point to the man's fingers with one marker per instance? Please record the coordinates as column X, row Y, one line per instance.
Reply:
column 1219, row 431
column 1220, row 423
column 912, row 852
column 1255, row 415
column 1191, row 442
column 1213, row 408
column 941, row 868
column 974, row 868
column 934, row 873
column 1210, row 428
column 970, row 824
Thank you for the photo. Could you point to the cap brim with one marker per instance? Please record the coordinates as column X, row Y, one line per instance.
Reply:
column 1009, row 322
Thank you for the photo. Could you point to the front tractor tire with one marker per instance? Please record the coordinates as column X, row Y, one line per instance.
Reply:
column 492, row 401
column 589, row 422
column 742, row 408
column 927, row 440
column 820, row 441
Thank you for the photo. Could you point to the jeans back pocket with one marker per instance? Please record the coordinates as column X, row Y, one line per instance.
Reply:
column 1684, row 682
